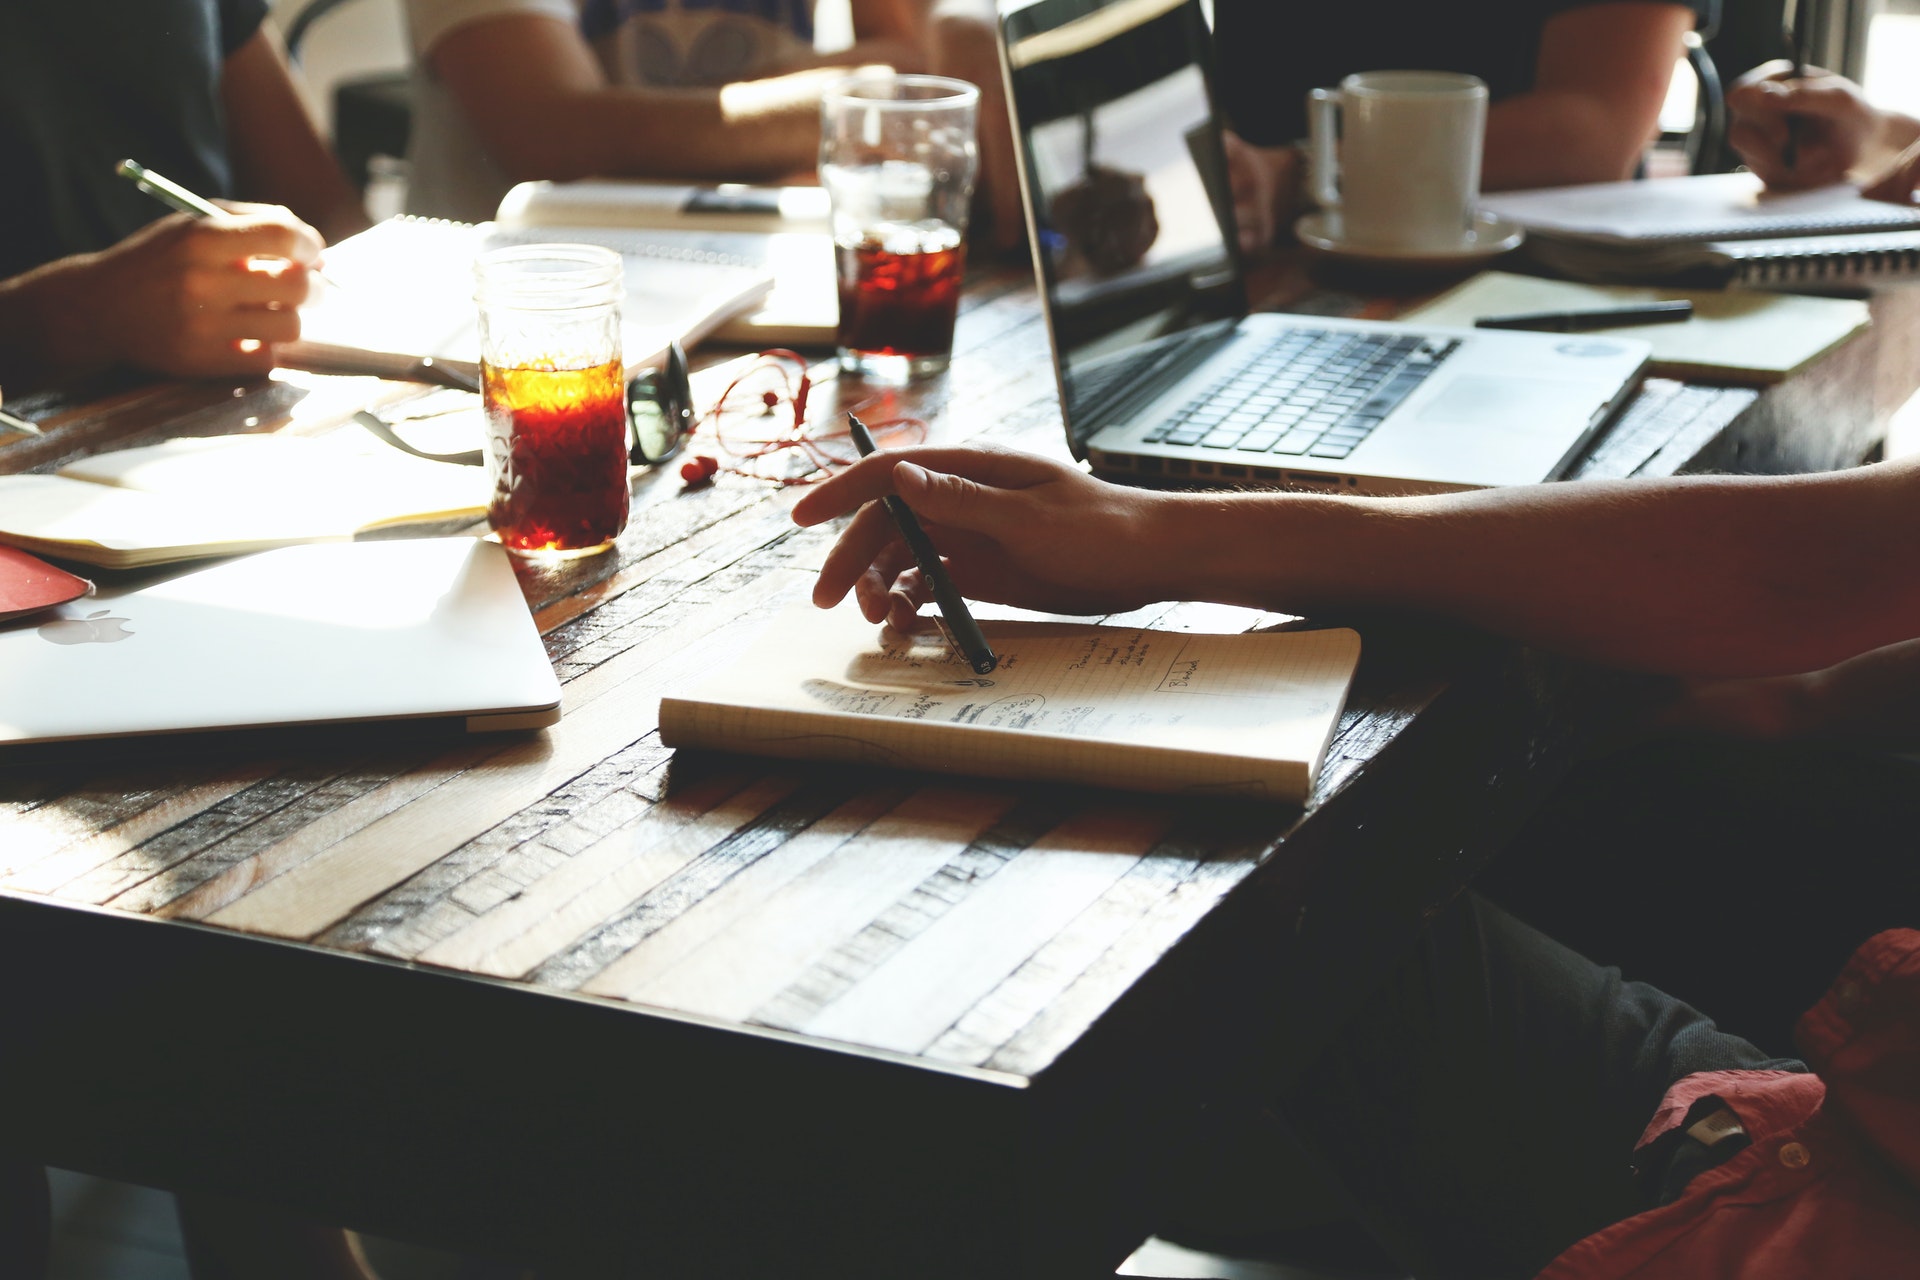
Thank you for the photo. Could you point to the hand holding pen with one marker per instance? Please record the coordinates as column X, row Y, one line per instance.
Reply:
column 962, row 632
column 206, row 297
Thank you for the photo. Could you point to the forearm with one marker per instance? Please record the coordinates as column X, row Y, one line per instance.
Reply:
column 278, row 154
column 745, row 131
column 45, row 331
column 1548, row 139
column 1703, row 576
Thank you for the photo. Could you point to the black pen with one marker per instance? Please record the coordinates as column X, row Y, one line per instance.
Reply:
column 1797, row 40
column 1598, row 318
column 178, row 198
column 962, row 632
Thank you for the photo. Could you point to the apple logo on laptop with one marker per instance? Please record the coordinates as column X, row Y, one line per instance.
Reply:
column 95, row 628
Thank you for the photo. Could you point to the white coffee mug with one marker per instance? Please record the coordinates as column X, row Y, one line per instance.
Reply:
column 1405, row 174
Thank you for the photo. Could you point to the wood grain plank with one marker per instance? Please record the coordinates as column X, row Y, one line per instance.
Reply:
column 758, row 953
column 859, row 956
column 587, row 890
column 652, row 940
column 619, row 931
column 620, row 706
column 1066, row 1017
column 52, row 844
column 191, row 896
column 1064, row 958
column 423, row 909
column 226, row 821
column 970, row 950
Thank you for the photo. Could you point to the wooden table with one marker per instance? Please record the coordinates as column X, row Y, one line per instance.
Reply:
column 566, row 998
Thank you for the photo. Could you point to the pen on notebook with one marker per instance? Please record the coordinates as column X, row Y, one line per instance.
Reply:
column 1597, row 318
column 963, row 633
column 179, row 199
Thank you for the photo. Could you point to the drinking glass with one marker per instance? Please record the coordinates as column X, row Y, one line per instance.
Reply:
column 898, row 160
column 551, row 374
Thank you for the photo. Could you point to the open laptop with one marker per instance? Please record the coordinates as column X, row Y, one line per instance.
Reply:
column 323, row 634
column 1163, row 373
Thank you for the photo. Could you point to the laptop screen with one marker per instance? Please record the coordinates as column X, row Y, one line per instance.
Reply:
column 1126, row 184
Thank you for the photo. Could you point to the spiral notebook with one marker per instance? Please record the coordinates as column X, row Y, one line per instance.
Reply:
column 1163, row 711
column 1716, row 229
column 405, row 291
column 1710, row 207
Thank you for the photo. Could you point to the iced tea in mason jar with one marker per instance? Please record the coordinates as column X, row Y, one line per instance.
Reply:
column 551, row 373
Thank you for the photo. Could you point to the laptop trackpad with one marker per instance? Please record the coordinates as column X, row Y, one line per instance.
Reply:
column 1509, row 402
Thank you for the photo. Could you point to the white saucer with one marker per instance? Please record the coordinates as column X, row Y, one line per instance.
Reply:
column 1491, row 236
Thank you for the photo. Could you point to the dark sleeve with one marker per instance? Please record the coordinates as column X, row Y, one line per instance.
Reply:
column 1706, row 13
column 239, row 19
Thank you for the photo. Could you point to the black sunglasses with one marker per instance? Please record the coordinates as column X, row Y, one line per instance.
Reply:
column 659, row 415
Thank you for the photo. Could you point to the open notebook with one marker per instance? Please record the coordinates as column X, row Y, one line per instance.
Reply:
column 406, row 291
column 1247, row 715
column 225, row 495
column 790, row 240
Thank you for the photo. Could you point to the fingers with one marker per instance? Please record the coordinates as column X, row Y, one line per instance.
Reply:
column 874, row 477
column 1829, row 121
column 258, row 231
column 258, row 282
column 954, row 500
column 1899, row 184
column 910, row 590
column 859, row 548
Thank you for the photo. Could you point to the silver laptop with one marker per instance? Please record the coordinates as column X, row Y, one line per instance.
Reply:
column 322, row 634
column 1163, row 374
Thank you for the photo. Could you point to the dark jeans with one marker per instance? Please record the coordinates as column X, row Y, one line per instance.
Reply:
column 1739, row 877
column 23, row 1220
column 1480, row 1111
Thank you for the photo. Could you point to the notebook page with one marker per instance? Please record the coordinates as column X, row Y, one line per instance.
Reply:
column 344, row 479
column 1066, row 700
column 103, row 524
column 407, row 284
column 1722, row 206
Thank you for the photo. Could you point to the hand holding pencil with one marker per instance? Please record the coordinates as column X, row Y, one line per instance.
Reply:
column 193, row 294
column 1802, row 130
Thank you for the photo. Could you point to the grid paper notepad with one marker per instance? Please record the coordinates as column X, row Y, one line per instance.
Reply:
column 1248, row 714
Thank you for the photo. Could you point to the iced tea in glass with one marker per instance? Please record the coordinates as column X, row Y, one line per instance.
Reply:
column 898, row 159
column 554, row 386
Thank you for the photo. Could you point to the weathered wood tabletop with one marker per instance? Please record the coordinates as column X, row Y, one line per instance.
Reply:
column 714, row 1013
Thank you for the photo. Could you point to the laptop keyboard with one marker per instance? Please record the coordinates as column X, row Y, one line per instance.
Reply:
column 1313, row 393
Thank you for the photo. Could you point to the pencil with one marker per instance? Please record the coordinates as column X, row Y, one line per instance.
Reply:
column 178, row 198
column 962, row 632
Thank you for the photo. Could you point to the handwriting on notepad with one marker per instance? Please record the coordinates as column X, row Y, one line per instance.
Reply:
column 1108, row 683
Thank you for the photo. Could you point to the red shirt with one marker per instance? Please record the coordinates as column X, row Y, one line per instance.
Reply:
column 1830, row 1187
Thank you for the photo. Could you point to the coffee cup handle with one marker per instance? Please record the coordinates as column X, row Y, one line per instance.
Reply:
column 1323, row 149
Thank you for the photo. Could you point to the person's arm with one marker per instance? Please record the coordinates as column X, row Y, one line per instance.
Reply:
column 885, row 32
column 962, row 43
column 278, row 156
column 1870, row 700
column 191, row 297
column 1841, row 134
column 1701, row 576
column 1602, row 73
column 540, row 103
